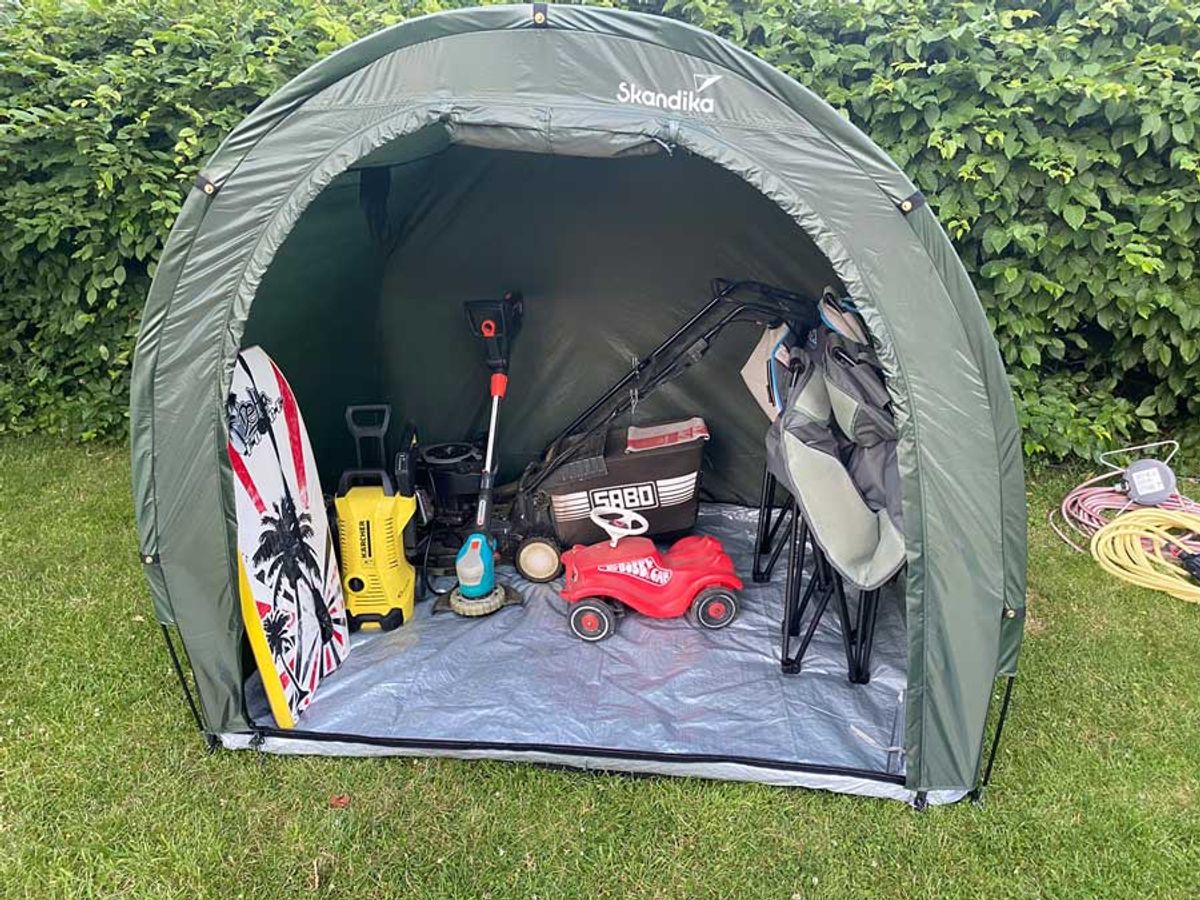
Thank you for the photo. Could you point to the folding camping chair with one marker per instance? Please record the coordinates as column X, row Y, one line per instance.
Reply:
column 833, row 447
column 822, row 585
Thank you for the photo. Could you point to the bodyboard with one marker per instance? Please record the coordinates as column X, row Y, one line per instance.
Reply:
column 289, row 587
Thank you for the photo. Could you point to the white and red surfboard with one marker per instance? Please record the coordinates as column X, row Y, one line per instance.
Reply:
column 289, row 586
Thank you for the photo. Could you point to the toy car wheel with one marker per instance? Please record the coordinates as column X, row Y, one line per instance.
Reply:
column 714, row 607
column 537, row 559
column 593, row 620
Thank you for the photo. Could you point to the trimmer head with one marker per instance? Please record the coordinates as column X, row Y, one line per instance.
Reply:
column 502, row 595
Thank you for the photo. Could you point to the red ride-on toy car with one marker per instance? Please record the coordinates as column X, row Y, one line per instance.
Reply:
column 695, row 576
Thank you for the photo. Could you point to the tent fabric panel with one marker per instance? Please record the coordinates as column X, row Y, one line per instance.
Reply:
column 142, row 396
column 576, row 70
column 1007, row 432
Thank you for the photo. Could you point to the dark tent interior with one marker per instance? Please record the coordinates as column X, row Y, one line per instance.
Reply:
column 611, row 255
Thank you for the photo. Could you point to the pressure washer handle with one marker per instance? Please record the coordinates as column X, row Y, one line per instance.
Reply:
column 369, row 423
column 365, row 478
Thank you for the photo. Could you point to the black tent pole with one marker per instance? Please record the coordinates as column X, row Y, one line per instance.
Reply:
column 977, row 794
column 209, row 740
column 1008, row 689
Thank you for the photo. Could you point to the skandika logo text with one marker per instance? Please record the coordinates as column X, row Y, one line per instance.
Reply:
column 681, row 100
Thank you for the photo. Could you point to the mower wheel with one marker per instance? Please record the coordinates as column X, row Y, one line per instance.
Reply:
column 714, row 607
column 593, row 620
column 537, row 559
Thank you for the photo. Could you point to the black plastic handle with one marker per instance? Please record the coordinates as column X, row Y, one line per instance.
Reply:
column 373, row 430
column 366, row 478
column 369, row 429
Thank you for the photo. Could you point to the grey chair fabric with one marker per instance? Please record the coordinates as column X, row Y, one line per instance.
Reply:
column 834, row 448
column 862, row 409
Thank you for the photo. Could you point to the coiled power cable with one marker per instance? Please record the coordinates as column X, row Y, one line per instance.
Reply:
column 1137, row 526
column 1153, row 548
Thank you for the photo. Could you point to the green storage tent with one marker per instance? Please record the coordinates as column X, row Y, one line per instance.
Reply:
column 608, row 164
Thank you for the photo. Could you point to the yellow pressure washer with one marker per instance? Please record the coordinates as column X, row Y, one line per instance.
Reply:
column 378, row 581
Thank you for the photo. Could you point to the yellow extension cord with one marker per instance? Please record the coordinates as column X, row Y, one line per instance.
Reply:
column 1131, row 548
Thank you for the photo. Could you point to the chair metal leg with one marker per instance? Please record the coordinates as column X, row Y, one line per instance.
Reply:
column 815, row 592
column 862, row 638
column 770, row 524
column 858, row 631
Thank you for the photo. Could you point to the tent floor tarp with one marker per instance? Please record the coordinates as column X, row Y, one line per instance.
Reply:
column 660, row 694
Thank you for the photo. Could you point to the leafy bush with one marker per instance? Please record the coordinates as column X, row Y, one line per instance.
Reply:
column 1056, row 142
column 107, row 111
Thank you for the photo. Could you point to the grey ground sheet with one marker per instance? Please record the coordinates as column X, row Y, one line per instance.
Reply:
column 661, row 686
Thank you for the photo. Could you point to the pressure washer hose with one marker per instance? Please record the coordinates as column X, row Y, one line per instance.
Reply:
column 1145, row 547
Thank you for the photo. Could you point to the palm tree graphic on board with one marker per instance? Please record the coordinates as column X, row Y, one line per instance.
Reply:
column 288, row 559
column 279, row 642
column 278, row 639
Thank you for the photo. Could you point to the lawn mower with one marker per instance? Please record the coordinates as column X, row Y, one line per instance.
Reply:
column 695, row 577
column 588, row 464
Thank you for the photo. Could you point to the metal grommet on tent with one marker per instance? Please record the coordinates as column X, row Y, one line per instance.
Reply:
column 207, row 186
column 541, row 15
column 915, row 201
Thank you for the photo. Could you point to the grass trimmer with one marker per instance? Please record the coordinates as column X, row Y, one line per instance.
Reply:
column 477, row 592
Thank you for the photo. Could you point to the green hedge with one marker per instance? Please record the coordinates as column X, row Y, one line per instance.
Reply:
column 1056, row 141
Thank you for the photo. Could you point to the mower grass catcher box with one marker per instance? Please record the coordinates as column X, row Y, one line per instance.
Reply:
column 653, row 469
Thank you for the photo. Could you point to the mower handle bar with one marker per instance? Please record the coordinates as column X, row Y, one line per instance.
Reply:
column 772, row 305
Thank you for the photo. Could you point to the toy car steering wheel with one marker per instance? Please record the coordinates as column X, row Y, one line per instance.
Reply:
column 618, row 523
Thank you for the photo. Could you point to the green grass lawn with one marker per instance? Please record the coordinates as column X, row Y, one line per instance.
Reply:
column 106, row 789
